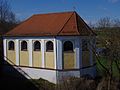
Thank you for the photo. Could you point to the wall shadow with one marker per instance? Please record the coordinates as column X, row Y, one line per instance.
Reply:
column 11, row 79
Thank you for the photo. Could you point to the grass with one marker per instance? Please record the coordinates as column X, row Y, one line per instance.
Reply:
column 105, row 62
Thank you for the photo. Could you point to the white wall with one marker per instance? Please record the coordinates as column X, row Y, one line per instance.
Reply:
column 63, row 75
column 58, row 43
column 30, row 47
column 76, row 40
column 88, row 71
column 51, row 75
column 33, row 73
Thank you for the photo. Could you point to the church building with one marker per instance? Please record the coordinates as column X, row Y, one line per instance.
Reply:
column 52, row 46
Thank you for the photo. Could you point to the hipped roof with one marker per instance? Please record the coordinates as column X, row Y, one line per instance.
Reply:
column 52, row 24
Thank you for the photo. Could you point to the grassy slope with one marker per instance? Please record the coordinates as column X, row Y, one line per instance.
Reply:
column 105, row 63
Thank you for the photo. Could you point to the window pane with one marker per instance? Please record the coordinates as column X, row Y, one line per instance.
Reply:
column 49, row 46
column 24, row 46
column 68, row 46
column 11, row 45
column 37, row 46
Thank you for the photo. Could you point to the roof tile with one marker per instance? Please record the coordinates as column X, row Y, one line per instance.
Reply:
column 52, row 24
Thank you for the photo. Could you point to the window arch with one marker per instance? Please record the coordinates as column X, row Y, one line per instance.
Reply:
column 68, row 46
column 49, row 46
column 11, row 45
column 84, row 45
column 37, row 46
column 23, row 46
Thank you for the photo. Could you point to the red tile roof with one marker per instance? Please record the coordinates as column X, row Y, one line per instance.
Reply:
column 52, row 24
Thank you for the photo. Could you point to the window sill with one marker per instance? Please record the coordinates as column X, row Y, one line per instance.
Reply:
column 68, row 51
column 11, row 50
column 36, row 50
column 24, row 50
column 50, row 51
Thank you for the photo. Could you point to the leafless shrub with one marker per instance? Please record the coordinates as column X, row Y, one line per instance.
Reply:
column 77, row 84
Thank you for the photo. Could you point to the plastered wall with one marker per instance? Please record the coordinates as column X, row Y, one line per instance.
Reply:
column 49, row 60
column 37, row 59
column 85, row 58
column 69, row 60
column 11, row 55
column 24, row 58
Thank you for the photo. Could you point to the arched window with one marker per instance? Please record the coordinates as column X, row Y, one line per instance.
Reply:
column 68, row 46
column 37, row 46
column 23, row 46
column 11, row 45
column 49, row 46
column 84, row 45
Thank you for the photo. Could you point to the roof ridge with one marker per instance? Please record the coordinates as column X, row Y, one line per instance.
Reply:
column 54, row 13
column 86, row 25
column 65, row 23
column 76, row 22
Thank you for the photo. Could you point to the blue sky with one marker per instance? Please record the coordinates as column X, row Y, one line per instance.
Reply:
column 89, row 10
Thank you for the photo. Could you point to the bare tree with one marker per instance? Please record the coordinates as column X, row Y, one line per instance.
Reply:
column 110, row 39
column 107, row 22
column 7, row 22
column 104, row 22
column 7, row 17
column 116, row 22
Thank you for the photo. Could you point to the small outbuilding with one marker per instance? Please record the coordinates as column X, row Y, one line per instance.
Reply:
column 52, row 46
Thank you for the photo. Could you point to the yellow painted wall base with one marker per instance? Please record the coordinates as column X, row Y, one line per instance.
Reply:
column 37, row 59
column 11, row 55
column 24, row 58
column 85, row 58
column 49, row 60
column 69, row 60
